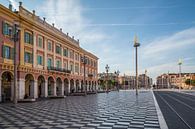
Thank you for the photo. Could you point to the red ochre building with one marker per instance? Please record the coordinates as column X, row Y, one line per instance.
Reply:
column 49, row 61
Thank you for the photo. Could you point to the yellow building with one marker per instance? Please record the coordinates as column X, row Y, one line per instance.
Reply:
column 49, row 61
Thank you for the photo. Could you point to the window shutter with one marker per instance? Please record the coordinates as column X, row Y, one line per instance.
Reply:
column 31, row 39
column 3, row 28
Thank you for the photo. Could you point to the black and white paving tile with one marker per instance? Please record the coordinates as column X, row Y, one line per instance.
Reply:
column 114, row 110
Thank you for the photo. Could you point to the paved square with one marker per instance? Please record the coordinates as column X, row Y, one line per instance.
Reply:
column 115, row 110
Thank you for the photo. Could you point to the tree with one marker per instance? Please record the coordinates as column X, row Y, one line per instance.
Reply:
column 190, row 82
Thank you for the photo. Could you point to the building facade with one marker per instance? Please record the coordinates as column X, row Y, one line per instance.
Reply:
column 173, row 80
column 129, row 82
column 48, row 61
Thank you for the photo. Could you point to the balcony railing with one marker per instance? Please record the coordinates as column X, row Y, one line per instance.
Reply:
column 90, row 75
column 58, row 69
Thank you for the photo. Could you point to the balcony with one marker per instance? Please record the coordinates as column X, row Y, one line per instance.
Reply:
column 90, row 75
column 58, row 69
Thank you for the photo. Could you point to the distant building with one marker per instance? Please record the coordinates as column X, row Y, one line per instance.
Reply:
column 112, row 79
column 129, row 82
column 172, row 80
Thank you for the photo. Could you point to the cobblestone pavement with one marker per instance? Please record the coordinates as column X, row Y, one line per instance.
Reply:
column 115, row 110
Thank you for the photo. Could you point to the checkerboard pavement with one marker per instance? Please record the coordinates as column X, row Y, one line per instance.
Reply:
column 117, row 110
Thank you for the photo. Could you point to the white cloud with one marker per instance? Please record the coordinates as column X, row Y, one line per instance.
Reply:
column 176, row 41
column 68, row 15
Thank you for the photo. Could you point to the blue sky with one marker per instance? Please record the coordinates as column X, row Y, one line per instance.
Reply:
column 165, row 28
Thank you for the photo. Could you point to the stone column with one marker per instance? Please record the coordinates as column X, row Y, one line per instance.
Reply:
column 21, row 88
column 0, row 91
column 46, row 89
column 62, row 89
column 75, row 86
column 69, row 86
column 35, row 89
column 79, row 86
column 54, row 89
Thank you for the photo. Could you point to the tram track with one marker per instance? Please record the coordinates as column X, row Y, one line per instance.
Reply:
column 175, row 117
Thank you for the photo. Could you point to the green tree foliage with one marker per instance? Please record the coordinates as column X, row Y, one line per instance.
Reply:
column 190, row 82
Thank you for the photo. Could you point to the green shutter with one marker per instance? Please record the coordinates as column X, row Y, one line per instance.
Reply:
column 3, row 28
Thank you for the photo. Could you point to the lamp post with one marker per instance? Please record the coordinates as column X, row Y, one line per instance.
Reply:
column 15, row 38
column 146, row 86
column 136, row 45
column 107, row 69
column 117, row 74
column 84, row 61
column 168, row 83
column 180, row 63
column 124, row 82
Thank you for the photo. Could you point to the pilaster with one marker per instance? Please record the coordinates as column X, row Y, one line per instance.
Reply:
column 34, row 50
column 45, row 53
column 54, row 54
column 22, row 46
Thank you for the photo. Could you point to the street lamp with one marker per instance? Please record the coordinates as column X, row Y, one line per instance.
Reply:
column 15, row 38
column 84, row 61
column 136, row 45
column 117, row 74
column 180, row 63
column 107, row 69
column 146, row 84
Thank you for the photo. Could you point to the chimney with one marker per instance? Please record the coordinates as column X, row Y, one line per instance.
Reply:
column 78, row 40
column 67, row 34
column 44, row 19
column 53, row 24
column 73, row 37
column 20, row 3
column 10, row 6
column 60, row 29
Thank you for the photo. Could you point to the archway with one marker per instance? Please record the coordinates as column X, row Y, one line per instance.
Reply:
column 72, row 89
column 41, row 86
column 29, row 86
column 50, row 86
column 59, row 87
column 77, row 86
column 7, row 86
column 66, row 86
